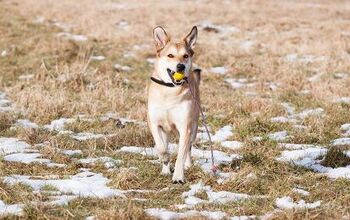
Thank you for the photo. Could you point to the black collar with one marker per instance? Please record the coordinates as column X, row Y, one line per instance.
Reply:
column 161, row 82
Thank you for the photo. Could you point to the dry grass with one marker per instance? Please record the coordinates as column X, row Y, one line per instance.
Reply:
column 67, row 83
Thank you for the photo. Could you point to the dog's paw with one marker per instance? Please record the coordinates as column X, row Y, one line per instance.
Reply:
column 166, row 169
column 179, row 182
column 178, row 179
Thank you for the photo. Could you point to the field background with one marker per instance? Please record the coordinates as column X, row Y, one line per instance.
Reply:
column 294, row 52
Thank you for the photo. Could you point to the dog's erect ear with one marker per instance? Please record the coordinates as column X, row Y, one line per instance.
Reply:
column 191, row 38
column 160, row 37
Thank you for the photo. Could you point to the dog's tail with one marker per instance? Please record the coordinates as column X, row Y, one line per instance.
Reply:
column 197, row 75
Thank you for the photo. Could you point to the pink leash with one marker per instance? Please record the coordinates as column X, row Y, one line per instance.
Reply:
column 213, row 167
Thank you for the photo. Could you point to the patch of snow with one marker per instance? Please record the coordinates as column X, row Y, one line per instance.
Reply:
column 341, row 75
column 221, row 135
column 310, row 112
column 221, row 29
column 26, row 77
column 288, row 107
column 233, row 145
column 342, row 100
column 315, row 77
column 58, row 124
column 246, row 45
column 74, row 37
column 39, row 20
column 308, row 158
column 218, row 70
column 26, row 158
column 283, row 119
column 296, row 155
column 98, row 58
column 86, row 136
column 61, row 200
column 72, row 152
column 341, row 141
column 12, row 145
column 286, row 202
column 151, row 60
column 306, row 59
column 26, row 124
column 296, row 146
column 16, row 209
column 107, row 161
column 164, row 214
column 279, row 136
column 301, row 191
column 84, row 184
column 203, row 155
column 225, row 197
column 119, row 67
column 3, row 53
column 239, row 83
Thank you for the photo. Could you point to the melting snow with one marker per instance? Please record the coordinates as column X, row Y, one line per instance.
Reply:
column 74, row 37
column 287, row 203
column 308, row 158
column 12, row 145
column 3, row 53
column 164, row 214
column 107, row 161
column 233, row 145
column 26, row 77
column 83, row 184
column 86, row 136
column 279, row 136
column 239, row 83
column 301, row 191
column 310, row 112
column 218, row 70
column 342, row 100
column 222, row 29
column 58, row 124
column 341, row 141
column 203, row 155
column 213, row 197
column 26, row 158
column 26, row 124
column 15, row 209
column 98, row 58
column 72, row 152
column 122, row 68
column 221, row 135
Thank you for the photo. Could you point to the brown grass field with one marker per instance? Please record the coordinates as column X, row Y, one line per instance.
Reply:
column 295, row 52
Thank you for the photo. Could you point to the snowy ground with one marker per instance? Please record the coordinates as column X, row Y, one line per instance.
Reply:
column 74, row 141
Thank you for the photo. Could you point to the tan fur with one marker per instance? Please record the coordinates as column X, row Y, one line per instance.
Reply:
column 172, row 109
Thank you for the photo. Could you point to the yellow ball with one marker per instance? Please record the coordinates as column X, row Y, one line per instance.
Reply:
column 178, row 76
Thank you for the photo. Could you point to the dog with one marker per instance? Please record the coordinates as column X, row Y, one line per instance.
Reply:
column 173, row 105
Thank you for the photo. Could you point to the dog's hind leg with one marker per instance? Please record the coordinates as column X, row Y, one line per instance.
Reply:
column 161, row 141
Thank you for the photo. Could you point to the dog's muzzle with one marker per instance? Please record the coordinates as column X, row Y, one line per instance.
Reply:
column 177, row 78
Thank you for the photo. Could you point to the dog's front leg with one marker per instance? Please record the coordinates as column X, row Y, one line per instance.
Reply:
column 184, row 147
column 161, row 141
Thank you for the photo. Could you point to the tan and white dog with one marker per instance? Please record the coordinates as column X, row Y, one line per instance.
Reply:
column 171, row 106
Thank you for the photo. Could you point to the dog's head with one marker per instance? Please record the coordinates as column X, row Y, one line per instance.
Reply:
column 174, row 56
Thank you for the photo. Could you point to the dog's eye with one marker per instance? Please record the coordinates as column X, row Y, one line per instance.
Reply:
column 185, row 56
column 170, row 56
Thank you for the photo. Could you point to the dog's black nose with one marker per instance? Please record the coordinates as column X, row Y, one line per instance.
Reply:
column 180, row 67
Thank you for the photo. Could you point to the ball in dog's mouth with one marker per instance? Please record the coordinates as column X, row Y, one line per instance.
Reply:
column 178, row 76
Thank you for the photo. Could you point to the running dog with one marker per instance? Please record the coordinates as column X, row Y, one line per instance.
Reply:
column 172, row 102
